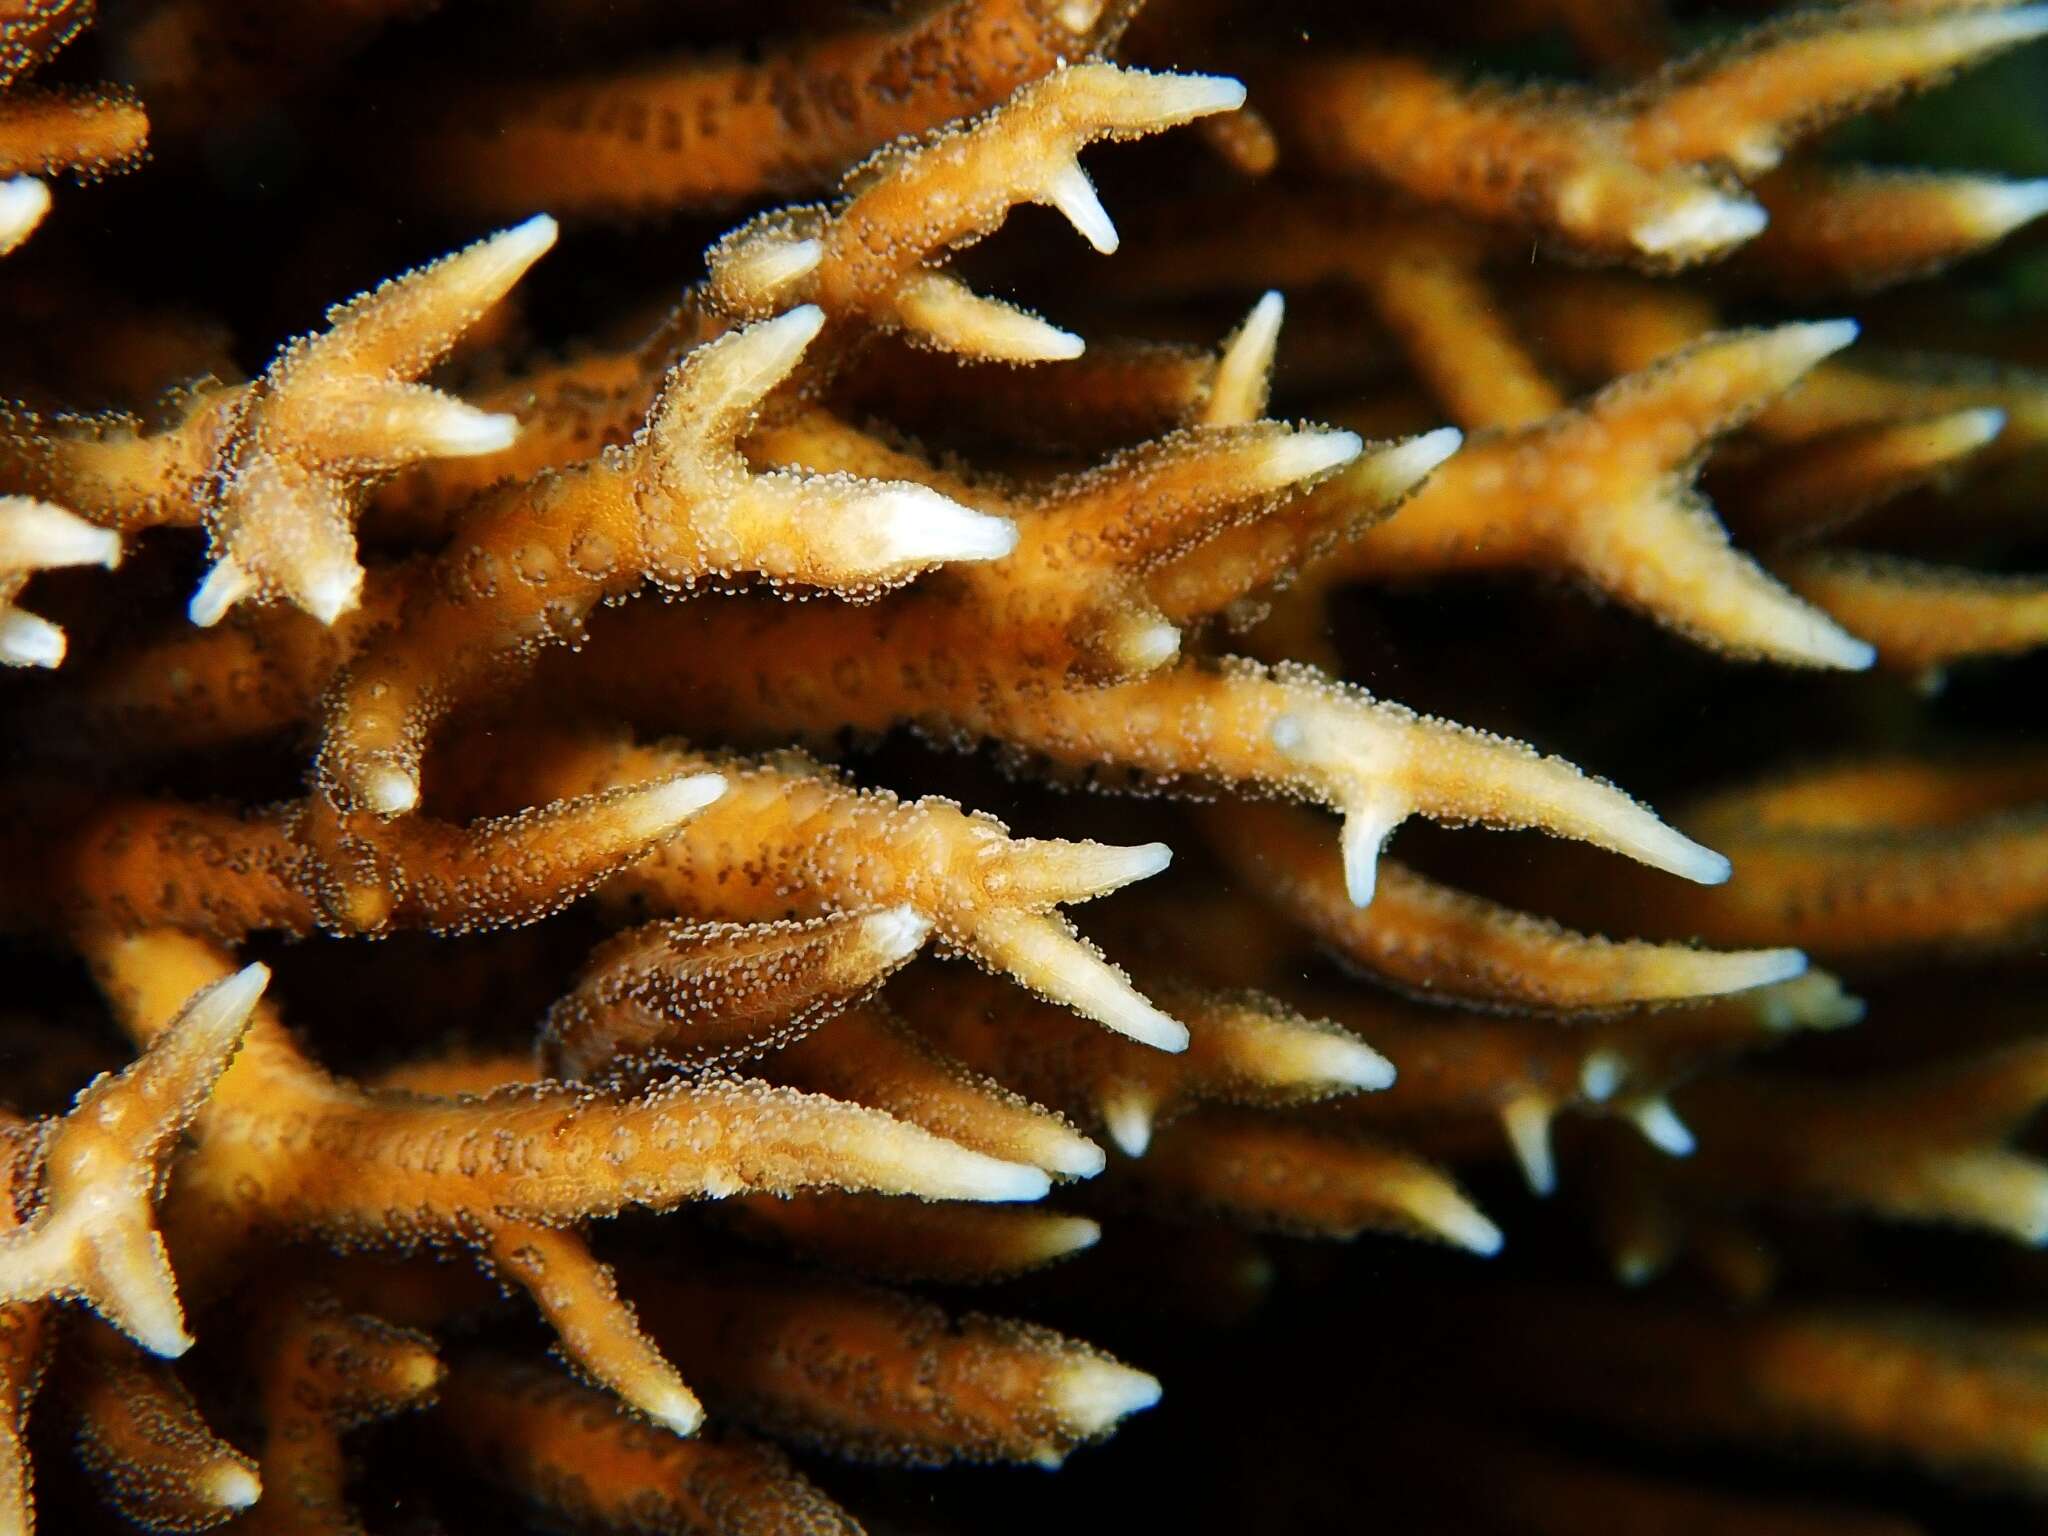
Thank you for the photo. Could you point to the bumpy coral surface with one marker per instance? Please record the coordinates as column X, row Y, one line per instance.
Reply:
column 540, row 872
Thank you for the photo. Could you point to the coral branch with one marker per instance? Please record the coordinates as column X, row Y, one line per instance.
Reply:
column 878, row 1376
column 91, row 1178
column 1273, row 1175
column 679, row 506
column 1434, row 941
column 571, row 1452
column 710, row 131
column 1602, row 493
column 867, row 260
column 139, row 1431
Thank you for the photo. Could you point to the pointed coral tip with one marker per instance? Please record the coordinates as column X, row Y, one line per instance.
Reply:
column 1699, row 225
column 1077, row 1158
column 230, row 1485
column 1997, row 208
column 793, row 329
column 1661, row 1127
column 238, row 993
column 786, row 261
column 1600, row 1076
column 1692, row 861
column 1407, row 462
column 674, row 1408
column 1304, row 455
column 1173, row 98
column 1342, row 1060
column 1073, row 194
column 1811, row 340
column 1743, row 970
column 531, row 237
column 1365, row 833
column 330, row 593
column 1527, row 1122
column 1094, row 1395
column 27, row 641
column 655, row 809
column 912, row 525
column 225, row 585
column 23, row 202
column 1128, row 1119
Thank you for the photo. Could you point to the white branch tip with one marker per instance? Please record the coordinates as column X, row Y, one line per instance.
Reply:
column 458, row 430
column 23, row 202
column 1342, row 1060
column 38, row 536
column 506, row 255
column 28, row 641
column 1805, row 343
column 1404, row 464
column 673, row 1407
column 1304, row 455
column 1661, row 1127
column 910, row 524
column 1093, row 1395
column 230, row 1485
column 656, row 808
column 1698, row 225
column 1154, row 101
column 225, row 585
column 1997, row 208
column 1600, row 1075
column 1743, row 969
column 1127, row 1116
column 1145, row 645
column 1527, row 1122
column 772, row 264
column 1070, row 191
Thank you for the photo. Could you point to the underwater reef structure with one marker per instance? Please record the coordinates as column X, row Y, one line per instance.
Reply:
column 545, row 809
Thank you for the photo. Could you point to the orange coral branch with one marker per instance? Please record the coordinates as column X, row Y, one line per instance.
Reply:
column 876, row 1375
column 569, row 1450
column 709, row 131
column 1434, row 941
column 140, row 1433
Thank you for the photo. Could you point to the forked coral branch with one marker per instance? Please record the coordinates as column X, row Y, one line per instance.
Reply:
column 89, row 1180
column 868, row 260
column 276, row 470
column 36, row 536
column 712, row 130
column 1644, row 173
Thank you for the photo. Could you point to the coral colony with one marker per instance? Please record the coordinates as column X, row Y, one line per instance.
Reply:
column 522, row 1013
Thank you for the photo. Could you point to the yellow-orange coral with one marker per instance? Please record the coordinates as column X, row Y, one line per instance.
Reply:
column 643, row 988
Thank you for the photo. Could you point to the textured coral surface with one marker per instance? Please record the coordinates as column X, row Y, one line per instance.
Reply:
column 760, row 763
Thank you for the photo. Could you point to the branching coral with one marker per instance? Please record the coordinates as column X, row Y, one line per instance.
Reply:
column 1632, row 174
column 275, row 469
column 618, row 1005
column 715, row 130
